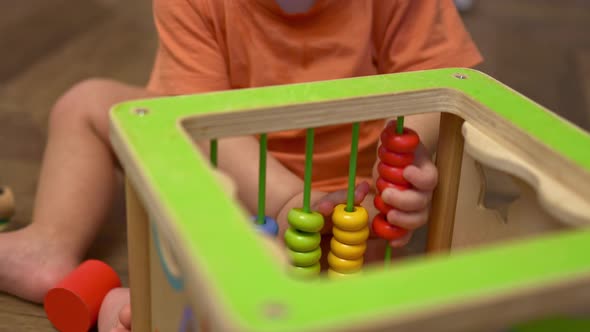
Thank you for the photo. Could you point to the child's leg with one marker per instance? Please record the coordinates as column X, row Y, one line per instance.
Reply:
column 74, row 195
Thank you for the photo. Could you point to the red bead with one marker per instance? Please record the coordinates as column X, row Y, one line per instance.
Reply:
column 383, row 229
column 381, row 205
column 392, row 174
column 399, row 143
column 395, row 159
column 383, row 184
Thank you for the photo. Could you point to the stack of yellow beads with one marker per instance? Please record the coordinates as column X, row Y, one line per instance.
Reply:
column 349, row 243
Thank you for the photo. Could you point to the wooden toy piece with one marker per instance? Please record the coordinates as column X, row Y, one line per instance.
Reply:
column 6, row 206
column 73, row 304
column 478, row 285
column 396, row 152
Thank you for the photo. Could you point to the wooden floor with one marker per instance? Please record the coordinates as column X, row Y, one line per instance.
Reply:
column 541, row 48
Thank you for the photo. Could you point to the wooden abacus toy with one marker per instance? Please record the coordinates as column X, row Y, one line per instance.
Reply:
column 518, row 250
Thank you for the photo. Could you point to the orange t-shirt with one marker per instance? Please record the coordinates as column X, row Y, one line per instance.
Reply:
column 208, row 45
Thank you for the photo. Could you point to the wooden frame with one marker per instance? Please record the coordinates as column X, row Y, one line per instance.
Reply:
column 253, row 293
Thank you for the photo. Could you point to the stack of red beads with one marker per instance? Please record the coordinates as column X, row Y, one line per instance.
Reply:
column 395, row 153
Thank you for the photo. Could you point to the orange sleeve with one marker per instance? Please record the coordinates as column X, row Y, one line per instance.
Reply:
column 422, row 34
column 188, row 59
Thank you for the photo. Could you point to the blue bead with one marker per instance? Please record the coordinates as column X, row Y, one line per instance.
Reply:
column 270, row 226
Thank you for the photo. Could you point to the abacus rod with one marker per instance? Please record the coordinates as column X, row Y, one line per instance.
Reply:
column 400, row 125
column 352, row 167
column 262, row 180
column 387, row 259
column 400, row 130
column 213, row 152
column 308, row 167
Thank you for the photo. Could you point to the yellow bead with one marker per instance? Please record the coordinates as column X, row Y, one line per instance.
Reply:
column 337, row 275
column 305, row 258
column 352, row 238
column 350, row 221
column 344, row 265
column 305, row 271
column 347, row 251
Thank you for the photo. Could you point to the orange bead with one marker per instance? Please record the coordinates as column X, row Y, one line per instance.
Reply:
column 383, row 229
column 383, row 184
column 392, row 174
column 393, row 158
column 399, row 143
column 381, row 205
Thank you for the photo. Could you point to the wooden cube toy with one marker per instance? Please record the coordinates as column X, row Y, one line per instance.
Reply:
column 512, row 207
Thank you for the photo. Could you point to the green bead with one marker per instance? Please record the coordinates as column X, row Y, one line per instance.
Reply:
column 301, row 241
column 305, row 271
column 305, row 221
column 305, row 258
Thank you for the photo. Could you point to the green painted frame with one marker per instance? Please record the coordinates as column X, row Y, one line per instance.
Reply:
column 154, row 140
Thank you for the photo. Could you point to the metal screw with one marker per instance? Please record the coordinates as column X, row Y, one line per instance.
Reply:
column 274, row 310
column 461, row 76
column 141, row 111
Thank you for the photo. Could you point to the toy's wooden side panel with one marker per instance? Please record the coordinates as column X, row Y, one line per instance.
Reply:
column 477, row 225
column 139, row 270
column 171, row 308
column 167, row 303
column 501, row 197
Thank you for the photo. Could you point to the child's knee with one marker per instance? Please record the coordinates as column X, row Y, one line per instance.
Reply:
column 77, row 101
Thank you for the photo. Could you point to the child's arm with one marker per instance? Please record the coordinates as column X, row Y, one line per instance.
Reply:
column 419, row 35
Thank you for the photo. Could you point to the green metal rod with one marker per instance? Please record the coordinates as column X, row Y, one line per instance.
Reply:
column 308, row 168
column 262, row 180
column 352, row 167
column 213, row 152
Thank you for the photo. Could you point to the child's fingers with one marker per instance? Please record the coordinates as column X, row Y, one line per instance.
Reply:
column 402, row 241
column 407, row 200
column 326, row 204
column 408, row 220
column 423, row 174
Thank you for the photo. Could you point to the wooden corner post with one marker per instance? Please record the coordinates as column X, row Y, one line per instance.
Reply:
column 449, row 156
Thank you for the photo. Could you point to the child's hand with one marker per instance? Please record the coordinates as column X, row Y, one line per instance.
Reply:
column 323, row 203
column 411, row 206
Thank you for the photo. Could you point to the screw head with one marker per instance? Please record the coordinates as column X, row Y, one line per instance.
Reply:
column 141, row 111
column 460, row 76
column 274, row 310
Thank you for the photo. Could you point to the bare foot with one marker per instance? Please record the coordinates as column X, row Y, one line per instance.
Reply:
column 115, row 312
column 30, row 264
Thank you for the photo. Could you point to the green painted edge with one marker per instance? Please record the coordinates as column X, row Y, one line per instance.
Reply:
column 181, row 180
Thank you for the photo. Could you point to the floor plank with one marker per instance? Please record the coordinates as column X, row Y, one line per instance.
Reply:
column 43, row 29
